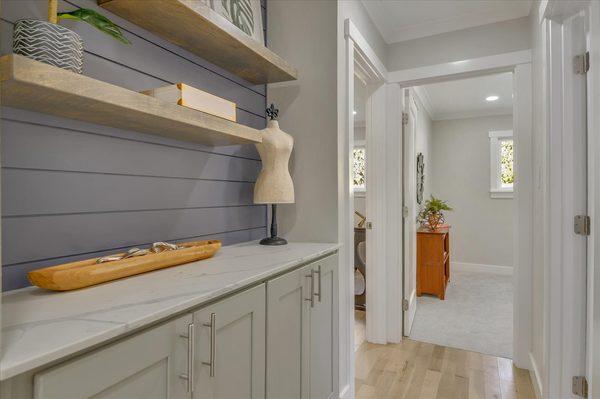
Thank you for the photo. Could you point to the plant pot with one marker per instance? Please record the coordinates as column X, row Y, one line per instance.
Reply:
column 435, row 220
column 49, row 43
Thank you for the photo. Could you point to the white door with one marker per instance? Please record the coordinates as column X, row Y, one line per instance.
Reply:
column 410, row 211
column 574, row 170
column 145, row 366
column 323, row 330
column 288, row 334
column 230, row 347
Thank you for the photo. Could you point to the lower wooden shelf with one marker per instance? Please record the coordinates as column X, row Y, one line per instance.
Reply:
column 36, row 86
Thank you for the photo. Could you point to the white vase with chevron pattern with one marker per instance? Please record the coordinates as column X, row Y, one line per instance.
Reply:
column 49, row 43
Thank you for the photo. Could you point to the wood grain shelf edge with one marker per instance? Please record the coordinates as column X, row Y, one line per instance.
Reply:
column 39, row 87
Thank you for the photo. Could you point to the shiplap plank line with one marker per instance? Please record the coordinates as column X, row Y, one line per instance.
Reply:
column 27, row 239
column 66, row 150
column 68, row 180
column 35, row 118
column 39, row 192
column 14, row 276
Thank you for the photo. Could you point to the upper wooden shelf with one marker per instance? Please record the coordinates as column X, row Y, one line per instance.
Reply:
column 194, row 26
column 36, row 86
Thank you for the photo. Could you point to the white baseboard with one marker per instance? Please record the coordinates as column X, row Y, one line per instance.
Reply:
column 480, row 268
column 536, row 381
column 346, row 392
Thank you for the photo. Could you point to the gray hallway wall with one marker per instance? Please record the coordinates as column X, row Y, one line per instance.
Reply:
column 73, row 190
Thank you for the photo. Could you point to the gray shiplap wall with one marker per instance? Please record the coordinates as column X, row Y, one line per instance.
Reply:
column 73, row 190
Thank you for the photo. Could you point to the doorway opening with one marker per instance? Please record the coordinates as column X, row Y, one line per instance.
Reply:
column 359, row 187
column 459, row 165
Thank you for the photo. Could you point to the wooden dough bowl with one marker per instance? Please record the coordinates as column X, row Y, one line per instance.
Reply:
column 74, row 275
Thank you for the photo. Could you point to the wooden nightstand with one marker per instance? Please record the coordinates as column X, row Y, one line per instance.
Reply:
column 433, row 261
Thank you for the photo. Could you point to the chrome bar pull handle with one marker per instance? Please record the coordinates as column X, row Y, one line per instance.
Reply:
column 311, row 297
column 189, row 376
column 318, row 294
column 213, row 343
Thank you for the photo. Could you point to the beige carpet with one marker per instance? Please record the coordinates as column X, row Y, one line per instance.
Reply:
column 477, row 315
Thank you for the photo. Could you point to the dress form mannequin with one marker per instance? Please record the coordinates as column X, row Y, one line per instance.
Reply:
column 274, row 184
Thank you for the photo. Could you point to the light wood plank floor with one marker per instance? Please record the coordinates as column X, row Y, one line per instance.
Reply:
column 418, row 370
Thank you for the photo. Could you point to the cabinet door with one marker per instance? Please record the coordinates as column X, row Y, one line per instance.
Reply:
column 323, row 331
column 288, row 330
column 230, row 347
column 145, row 366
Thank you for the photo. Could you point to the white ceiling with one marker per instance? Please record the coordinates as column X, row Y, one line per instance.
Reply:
column 401, row 20
column 466, row 98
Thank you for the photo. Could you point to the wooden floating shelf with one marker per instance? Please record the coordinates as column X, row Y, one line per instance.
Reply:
column 36, row 86
column 193, row 25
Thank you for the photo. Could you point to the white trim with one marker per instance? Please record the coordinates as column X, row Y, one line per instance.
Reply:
column 502, row 194
column 471, row 114
column 481, row 268
column 565, row 302
column 458, row 69
column 500, row 134
column 535, row 377
column 557, row 10
column 522, row 214
column 356, row 51
column 346, row 392
column 593, row 338
column 520, row 63
column 362, row 46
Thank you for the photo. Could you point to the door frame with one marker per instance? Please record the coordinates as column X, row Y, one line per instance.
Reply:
column 558, row 330
column 518, row 62
column 383, row 117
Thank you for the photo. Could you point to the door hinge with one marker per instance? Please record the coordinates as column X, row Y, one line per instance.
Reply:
column 404, row 118
column 582, row 63
column 582, row 225
column 405, row 304
column 580, row 386
column 404, row 211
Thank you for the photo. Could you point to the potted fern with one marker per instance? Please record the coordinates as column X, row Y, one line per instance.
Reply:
column 431, row 215
column 56, row 45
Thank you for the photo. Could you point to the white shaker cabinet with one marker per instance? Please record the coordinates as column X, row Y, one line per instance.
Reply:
column 230, row 347
column 148, row 365
column 276, row 340
column 302, row 345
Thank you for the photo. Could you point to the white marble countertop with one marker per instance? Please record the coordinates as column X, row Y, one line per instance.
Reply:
column 39, row 326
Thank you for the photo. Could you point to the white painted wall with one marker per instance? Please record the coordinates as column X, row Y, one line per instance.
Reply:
column 482, row 227
column 481, row 41
column 308, row 111
column 423, row 143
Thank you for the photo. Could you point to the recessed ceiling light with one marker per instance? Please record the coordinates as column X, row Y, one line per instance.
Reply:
column 353, row 112
column 491, row 98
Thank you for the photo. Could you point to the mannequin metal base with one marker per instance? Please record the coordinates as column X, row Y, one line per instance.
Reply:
column 273, row 241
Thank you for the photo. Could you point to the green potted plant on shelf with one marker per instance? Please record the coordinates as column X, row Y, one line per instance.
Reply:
column 53, row 44
column 432, row 215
